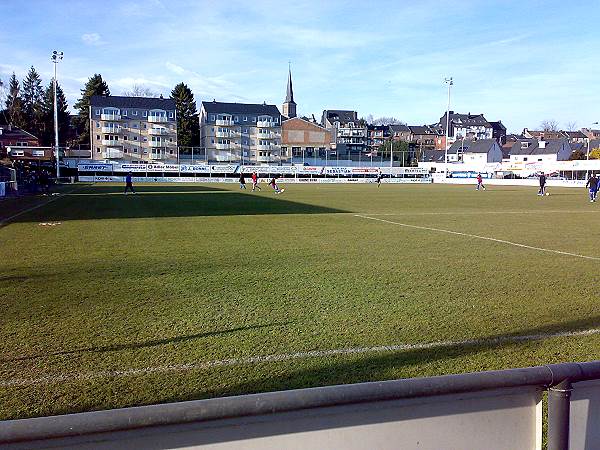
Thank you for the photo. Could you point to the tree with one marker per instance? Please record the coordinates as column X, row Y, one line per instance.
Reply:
column 47, row 131
column 571, row 126
column 549, row 125
column 401, row 152
column 138, row 90
column 577, row 154
column 94, row 86
column 188, row 128
column 595, row 153
column 33, row 96
column 387, row 121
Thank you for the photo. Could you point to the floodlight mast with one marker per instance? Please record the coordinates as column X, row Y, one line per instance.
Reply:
column 449, row 82
column 56, row 58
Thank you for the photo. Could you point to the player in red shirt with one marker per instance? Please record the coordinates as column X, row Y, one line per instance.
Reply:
column 480, row 182
column 255, row 182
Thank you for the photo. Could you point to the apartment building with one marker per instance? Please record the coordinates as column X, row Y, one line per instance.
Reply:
column 466, row 126
column 244, row 132
column 376, row 137
column 133, row 128
column 346, row 128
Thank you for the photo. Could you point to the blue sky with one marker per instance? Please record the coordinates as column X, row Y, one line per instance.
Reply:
column 518, row 61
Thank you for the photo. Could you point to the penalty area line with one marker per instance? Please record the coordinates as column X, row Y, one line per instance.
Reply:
column 485, row 238
column 182, row 368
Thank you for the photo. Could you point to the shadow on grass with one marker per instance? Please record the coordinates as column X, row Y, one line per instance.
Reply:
column 108, row 202
column 375, row 366
column 146, row 344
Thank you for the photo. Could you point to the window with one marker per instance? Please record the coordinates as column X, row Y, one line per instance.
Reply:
column 124, row 138
column 97, row 124
column 245, row 118
column 97, row 112
column 106, row 136
column 145, row 114
column 145, row 139
column 525, row 159
column 97, row 136
column 97, row 149
column 254, row 119
column 135, row 138
column 135, row 112
column 236, row 119
column 144, row 126
column 212, row 117
column 170, row 152
column 124, row 150
column 135, row 125
column 171, row 114
column 124, row 112
column 135, row 150
column 170, row 139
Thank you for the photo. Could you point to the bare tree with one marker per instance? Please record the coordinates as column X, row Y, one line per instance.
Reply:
column 549, row 125
column 138, row 90
column 571, row 126
column 387, row 121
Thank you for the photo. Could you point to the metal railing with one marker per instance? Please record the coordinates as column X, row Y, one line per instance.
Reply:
column 388, row 407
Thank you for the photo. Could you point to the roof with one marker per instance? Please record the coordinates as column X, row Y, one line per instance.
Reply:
column 433, row 156
column 115, row 101
column 421, row 129
column 465, row 119
column 302, row 119
column 377, row 127
column 343, row 116
column 289, row 97
column 15, row 133
column 499, row 126
column 575, row 134
column 551, row 147
column 240, row 108
column 473, row 146
column 399, row 128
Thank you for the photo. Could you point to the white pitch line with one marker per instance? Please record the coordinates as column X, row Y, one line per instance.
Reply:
column 179, row 368
column 485, row 238
column 464, row 213
column 33, row 208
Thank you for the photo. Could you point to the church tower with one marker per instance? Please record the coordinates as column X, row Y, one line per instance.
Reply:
column 289, row 105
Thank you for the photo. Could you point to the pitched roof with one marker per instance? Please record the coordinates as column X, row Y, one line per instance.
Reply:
column 306, row 121
column 473, row 146
column 432, row 156
column 15, row 133
column 115, row 101
column 498, row 126
column 464, row 119
column 550, row 147
column 399, row 128
column 421, row 129
column 240, row 108
column 575, row 134
column 341, row 115
column 289, row 97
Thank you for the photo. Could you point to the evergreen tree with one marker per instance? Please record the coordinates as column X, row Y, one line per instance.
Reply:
column 47, row 133
column 188, row 128
column 33, row 97
column 95, row 86
column 14, row 103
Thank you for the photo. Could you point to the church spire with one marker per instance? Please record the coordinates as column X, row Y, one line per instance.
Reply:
column 289, row 105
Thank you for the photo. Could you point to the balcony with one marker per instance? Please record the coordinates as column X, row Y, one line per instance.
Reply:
column 110, row 142
column 266, row 124
column 157, row 144
column 224, row 122
column 112, row 153
column 112, row 130
column 230, row 146
column 267, row 147
column 266, row 159
column 110, row 116
column 157, row 119
column 272, row 135
column 229, row 134
column 157, row 131
column 156, row 156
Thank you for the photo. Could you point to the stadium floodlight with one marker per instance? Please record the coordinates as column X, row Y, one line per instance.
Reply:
column 449, row 82
column 56, row 58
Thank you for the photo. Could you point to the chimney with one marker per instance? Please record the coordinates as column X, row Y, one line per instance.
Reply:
column 542, row 144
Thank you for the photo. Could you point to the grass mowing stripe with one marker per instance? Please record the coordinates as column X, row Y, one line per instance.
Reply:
column 19, row 382
column 477, row 213
column 485, row 238
column 5, row 221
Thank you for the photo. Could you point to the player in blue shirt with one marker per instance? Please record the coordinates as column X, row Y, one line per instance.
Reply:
column 129, row 183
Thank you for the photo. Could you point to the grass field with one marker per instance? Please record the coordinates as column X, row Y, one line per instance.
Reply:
column 186, row 292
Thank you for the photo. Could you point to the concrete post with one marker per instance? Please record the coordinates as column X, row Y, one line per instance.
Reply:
column 559, row 398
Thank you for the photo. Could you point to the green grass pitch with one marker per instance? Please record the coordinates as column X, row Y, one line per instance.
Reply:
column 186, row 292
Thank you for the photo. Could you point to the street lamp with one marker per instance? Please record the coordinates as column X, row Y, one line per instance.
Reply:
column 449, row 82
column 56, row 58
